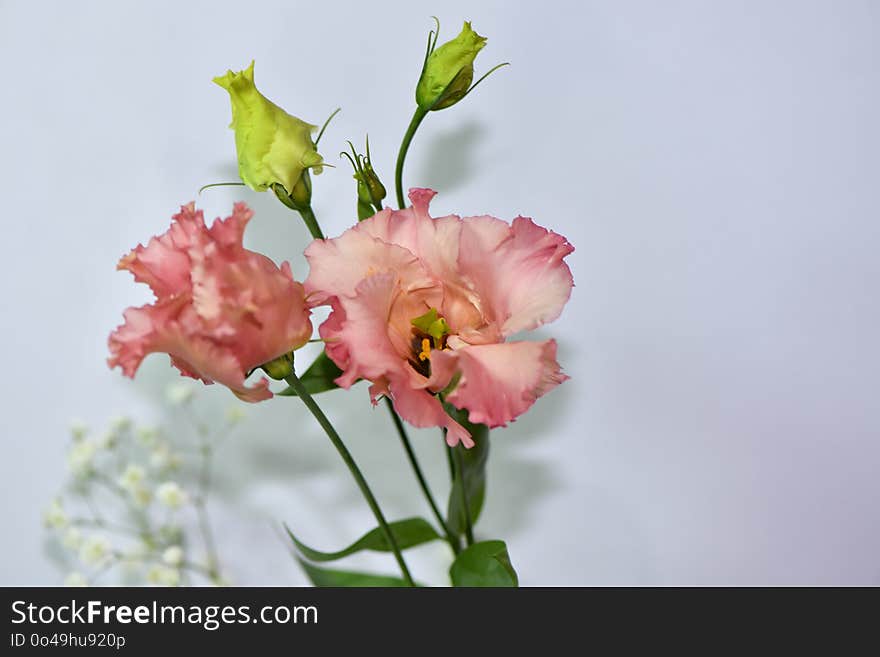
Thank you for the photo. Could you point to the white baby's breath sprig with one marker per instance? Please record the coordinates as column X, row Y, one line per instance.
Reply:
column 173, row 556
column 75, row 579
column 171, row 495
column 80, row 458
column 54, row 516
column 94, row 550
column 179, row 393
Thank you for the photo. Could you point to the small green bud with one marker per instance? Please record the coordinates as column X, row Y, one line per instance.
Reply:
column 449, row 70
column 370, row 190
column 365, row 210
column 279, row 368
column 374, row 185
column 274, row 148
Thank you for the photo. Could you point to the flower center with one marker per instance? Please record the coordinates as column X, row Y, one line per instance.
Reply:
column 429, row 332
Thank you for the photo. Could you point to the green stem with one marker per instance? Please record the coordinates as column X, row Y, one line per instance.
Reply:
column 414, row 462
column 296, row 384
column 417, row 118
column 202, row 511
column 459, row 467
column 311, row 223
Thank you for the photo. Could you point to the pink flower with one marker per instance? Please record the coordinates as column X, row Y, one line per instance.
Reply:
column 220, row 309
column 422, row 304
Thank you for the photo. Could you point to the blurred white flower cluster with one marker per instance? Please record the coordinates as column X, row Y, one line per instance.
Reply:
column 134, row 507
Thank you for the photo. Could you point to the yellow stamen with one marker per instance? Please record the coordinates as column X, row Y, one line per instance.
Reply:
column 426, row 350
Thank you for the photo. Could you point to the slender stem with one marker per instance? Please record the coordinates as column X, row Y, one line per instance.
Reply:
column 459, row 466
column 101, row 524
column 314, row 228
column 417, row 118
column 449, row 460
column 311, row 223
column 296, row 384
column 414, row 462
column 202, row 512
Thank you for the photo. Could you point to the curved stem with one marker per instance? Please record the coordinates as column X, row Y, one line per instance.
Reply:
column 417, row 118
column 311, row 223
column 296, row 384
column 414, row 462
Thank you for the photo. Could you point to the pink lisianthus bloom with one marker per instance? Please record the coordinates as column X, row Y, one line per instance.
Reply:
column 422, row 306
column 220, row 310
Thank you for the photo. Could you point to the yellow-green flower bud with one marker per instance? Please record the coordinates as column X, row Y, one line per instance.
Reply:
column 273, row 146
column 449, row 71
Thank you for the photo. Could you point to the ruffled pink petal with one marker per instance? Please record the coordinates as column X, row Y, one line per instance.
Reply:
column 422, row 409
column 153, row 329
column 229, row 232
column 329, row 331
column 364, row 332
column 444, row 365
column 221, row 310
column 500, row 382
column 434, row 241
column 132, row 341
column 164, row 264
column 517, row 270
column 337, row 266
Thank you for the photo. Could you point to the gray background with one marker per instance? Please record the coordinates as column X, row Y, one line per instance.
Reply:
column 714, row 163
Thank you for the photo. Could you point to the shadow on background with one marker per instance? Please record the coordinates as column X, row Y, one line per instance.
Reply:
column 448, row 158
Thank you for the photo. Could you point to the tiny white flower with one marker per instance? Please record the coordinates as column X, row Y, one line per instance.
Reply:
column 135, row 555
column 163, row 576
column 171, row 495
column 107, row 440
column 162, row 458
column 72, row 539
column 142, row 496
column 120, row 423
column 173, row 556
column 81, row 457
column 78, row 429
column 132, row 478
column 147, row 436
column 75, row 579
column 54, row 516
column 235, row 414
column 94, row 549
column 179, row 394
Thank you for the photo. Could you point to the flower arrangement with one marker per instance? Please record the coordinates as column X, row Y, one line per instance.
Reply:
column 431, row 311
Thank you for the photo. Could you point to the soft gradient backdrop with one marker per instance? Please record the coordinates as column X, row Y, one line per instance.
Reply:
column 716, row 165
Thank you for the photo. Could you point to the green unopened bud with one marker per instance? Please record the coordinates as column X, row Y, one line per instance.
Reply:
column 279, row 368
column 365, row 210
column 374, row 185
column 370, row 190
column 449, row 70
column 274, row 148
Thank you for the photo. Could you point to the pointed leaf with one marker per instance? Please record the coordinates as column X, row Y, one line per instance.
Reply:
column 473, row 474
column 325, row 577
column 484, row 564
column 408, row 533
column 319, row 377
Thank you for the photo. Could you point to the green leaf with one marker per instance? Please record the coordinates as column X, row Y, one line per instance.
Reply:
column 320, row 377
column 484, row 564
column 408, row 533
column 325, row 577
column 473, row 474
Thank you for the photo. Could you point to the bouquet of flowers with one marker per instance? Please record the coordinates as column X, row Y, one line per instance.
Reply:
column 429, row 310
